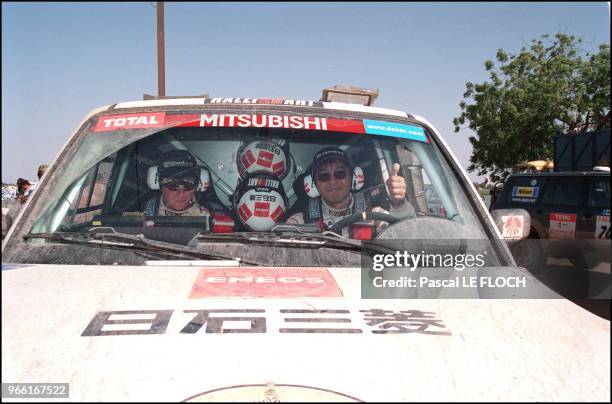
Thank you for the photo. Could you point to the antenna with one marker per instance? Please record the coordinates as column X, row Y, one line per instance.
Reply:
column 161, row 65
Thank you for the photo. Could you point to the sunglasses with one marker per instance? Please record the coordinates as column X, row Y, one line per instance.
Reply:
column 339, row 175
column 175, row 187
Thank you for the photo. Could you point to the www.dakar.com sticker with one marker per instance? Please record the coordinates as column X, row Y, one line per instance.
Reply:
column 265, row 282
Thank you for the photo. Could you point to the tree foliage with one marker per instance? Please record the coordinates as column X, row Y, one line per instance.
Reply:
column 552, row 88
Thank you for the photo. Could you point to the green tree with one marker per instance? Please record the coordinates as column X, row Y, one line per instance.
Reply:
column 552, row 88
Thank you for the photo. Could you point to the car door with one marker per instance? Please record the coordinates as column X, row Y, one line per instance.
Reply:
column 525, row 192
column 593, row 225
column 594, row 220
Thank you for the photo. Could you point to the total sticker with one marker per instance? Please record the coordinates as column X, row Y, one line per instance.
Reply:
column 562, row 225
column 130, row 121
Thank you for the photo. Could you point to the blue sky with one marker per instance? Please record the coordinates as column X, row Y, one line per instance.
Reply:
column 61, row 60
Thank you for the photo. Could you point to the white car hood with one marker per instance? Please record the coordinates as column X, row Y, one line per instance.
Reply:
column 510, row 350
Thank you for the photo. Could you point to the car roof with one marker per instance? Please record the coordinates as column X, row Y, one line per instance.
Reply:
column 229, row 101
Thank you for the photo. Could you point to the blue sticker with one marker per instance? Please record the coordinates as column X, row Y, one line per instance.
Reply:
column 527, row 192
column 394, row 129
column 606, row 212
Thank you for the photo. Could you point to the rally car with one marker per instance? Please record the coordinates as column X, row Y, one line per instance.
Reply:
column 570, row 217
column 102, row 292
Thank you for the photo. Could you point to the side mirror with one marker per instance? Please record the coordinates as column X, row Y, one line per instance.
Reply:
column 513, row 224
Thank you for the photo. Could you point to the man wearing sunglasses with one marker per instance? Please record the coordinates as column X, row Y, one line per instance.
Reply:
column 179, row 176
column 332, row 175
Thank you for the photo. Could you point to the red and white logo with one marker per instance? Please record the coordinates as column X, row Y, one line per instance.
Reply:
column 263, row 121
column 265, row 282
column 277, row 213
column 512, row 227
column 244, row 212
column 262, row 209
column 562, row 225
column 130, row 121
column 248, row 159
column 264, row 158
column 278, row 169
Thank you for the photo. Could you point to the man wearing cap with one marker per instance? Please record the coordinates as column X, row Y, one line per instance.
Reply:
column 179, row 176
column 332, row 175
column 23, row 188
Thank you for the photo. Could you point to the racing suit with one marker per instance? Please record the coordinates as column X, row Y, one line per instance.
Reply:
column 328, row 216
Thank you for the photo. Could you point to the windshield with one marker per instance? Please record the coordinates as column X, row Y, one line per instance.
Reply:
column 208, row 181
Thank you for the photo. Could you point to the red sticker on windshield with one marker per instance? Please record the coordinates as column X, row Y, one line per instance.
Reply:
column 345, row 125
column 265, row 282
column 262, row 121
column 130, row 121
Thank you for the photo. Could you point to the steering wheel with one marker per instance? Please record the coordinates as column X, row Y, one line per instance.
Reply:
column 363, row 216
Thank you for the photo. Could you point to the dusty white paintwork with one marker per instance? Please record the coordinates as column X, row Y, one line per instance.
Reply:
column 161, row 103
column 200, row 101
column 517, row 350
column 362, row 108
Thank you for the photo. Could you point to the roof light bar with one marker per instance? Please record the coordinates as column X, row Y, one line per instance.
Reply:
column 350, row 95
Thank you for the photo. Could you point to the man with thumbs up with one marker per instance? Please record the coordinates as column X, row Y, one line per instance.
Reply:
column 332, row 175
column 396, row 186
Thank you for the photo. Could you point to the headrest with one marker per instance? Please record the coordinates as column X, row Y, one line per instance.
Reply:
column 260, row 201
column 263, row 156
column 153, row 179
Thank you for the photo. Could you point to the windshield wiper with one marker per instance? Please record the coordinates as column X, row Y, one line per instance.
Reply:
column 289, row 235
column 122, row 241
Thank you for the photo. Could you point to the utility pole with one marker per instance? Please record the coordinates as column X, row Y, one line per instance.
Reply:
column 161, row 67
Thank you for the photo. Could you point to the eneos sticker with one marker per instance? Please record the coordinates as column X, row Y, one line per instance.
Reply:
column 264, row 282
